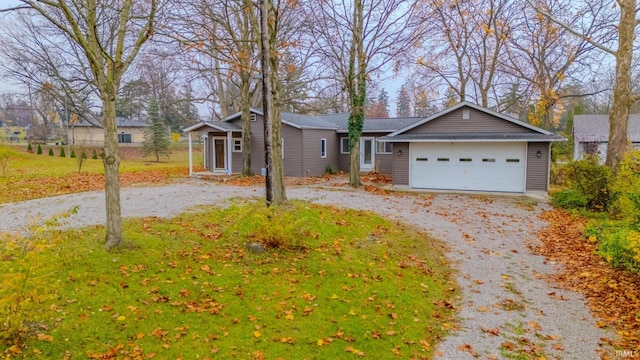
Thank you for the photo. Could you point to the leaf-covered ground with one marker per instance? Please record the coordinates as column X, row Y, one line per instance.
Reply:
column 334, row 284
column 613, row 295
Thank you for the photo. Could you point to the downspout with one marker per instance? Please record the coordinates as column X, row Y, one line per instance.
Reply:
column 229, row 147
column 190, row 156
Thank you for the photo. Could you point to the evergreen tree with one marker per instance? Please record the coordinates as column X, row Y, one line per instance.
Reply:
column 156, row 136
column 39, row 151
column 383, row 102
column 404, row 103
column 50, row 151
column 62, row 153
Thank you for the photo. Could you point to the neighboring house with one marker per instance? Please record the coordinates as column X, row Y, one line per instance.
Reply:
column 130, row 132
column 465, row 147
column 591, row 134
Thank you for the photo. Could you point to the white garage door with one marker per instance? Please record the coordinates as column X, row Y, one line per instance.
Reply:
column 468, row 166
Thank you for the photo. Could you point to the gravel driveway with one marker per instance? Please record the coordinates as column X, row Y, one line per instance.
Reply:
column 503, row 306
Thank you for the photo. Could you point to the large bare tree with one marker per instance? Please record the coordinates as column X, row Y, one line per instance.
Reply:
column 624, row 19
column 356, row 39
column 109, row 36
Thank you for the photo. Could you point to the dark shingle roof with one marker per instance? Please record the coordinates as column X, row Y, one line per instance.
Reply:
column 371, row 124
column 595, row 128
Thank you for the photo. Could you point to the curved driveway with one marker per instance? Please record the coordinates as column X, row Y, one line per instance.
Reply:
column 503, row 306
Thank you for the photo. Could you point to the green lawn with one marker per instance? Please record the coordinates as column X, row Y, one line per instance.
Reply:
column 331, row 284
column 26, row 176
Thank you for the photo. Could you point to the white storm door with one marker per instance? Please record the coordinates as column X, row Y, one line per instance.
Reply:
column 367, row 153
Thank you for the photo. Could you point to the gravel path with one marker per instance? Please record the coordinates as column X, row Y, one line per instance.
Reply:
column 503, row 303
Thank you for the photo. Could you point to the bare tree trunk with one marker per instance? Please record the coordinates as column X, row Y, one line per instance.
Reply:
column 111, row 161
column 622, row 96
column 245, row 107
column 277, row 166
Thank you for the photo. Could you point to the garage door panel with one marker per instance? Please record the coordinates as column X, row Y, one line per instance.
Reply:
column 468, row 166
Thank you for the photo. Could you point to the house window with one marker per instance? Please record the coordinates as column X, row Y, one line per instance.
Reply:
column 253, row 117
column 124, row 138
column 323, row 148
column 465, row 114
column 384, row 148
column 344, row 145
column 237, row 145
column 513, row 160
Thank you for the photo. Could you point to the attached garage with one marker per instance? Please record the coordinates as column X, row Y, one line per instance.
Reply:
column 468, row 147
column 468, row 166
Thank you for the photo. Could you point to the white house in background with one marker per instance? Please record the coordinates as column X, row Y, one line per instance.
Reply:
column 591, row 134
column 130, row 132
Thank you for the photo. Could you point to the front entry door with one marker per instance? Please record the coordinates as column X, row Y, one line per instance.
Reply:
column 367, row 153
column 218, row 154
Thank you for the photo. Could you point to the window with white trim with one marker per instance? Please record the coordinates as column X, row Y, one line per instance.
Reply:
column 323, row 148
column 344, row 145
column 237, row 145
column 253, row 117
column 384, row 147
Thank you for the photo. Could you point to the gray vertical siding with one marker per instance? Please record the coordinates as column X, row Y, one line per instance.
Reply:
column 478, row 122
column 293, row 150
column 400, row 172
column 312, row 163
column 538, row 167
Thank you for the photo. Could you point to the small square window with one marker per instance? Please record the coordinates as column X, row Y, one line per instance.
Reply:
column 253, row 117
column 465, row 114
column 237, row 145
column 384, row 147
column 344, row 145
column 323, row 148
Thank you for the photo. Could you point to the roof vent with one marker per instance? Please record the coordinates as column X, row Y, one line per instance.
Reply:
column 465, row 114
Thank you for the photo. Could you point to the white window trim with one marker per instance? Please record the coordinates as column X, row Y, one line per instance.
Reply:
column 383, row 148
column 342, row 149
column 323, row 148
column 253, row 117
column 282, row 147
column 238, row 141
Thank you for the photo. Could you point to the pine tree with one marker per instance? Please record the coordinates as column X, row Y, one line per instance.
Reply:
column 73, row 154
column 383, row 103
column 50, row 151
column 156, row 136
column 404, row 103
column 94, row 156
column 29, row 148
column 62, row 153
column 39, row 151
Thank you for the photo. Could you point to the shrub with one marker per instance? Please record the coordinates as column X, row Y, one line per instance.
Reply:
column 569, row 199
column 29, row 148
column 83, row 155
column 592, row 181
column 330, row 169
column 73, row 154
column 621, row 249
column 62, row 153
column 626, row 189
column 39, row 151
column 50, row 151
column 94, row 156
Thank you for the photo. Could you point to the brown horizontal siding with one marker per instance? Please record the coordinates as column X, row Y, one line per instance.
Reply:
column 400, row 164
column 478, row 122
column 538, row 167
column 384, row 163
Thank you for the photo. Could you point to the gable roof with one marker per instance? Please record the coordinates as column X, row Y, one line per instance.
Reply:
column 218, row 125
column 595, row 128
column 476, row 107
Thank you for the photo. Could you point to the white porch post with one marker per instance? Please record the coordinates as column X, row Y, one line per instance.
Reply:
column 229, row 148
column 190, row 156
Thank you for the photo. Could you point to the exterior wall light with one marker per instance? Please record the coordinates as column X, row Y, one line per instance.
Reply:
column 538, row 154
column 400, row 152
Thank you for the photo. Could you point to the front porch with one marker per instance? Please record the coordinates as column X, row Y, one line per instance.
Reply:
column 221, row 142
